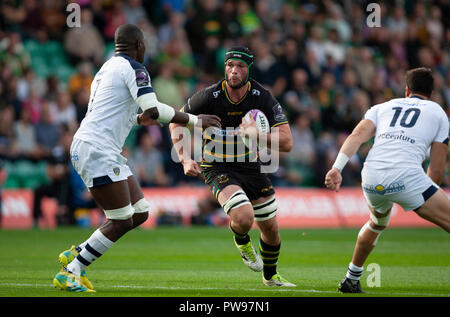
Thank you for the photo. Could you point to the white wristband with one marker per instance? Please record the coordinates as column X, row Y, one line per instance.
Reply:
column 192, row 119
column 341, row 161
column 165, row 112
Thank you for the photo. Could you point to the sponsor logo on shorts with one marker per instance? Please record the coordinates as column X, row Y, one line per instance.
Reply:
column 74, row 156
column 381, row 189
column 116, row 171
column 266, row 189
column 222, row 178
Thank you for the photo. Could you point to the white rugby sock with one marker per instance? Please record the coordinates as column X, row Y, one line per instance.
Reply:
column 354, row 272
column 80, row 246
column 92, row 249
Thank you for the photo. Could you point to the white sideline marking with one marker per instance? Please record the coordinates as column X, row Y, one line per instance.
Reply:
column 294, row 290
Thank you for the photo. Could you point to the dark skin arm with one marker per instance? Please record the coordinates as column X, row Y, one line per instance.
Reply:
column 149, row 116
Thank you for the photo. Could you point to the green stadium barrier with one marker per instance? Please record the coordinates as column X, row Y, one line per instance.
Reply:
column 25, row 174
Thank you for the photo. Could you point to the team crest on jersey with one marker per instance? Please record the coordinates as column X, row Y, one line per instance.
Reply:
column 116, row 171
column 142, row 78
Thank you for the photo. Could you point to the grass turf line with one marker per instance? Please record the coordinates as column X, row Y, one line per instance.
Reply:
column 203, row 262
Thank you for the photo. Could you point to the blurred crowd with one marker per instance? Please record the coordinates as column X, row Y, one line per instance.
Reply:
column 320, row 59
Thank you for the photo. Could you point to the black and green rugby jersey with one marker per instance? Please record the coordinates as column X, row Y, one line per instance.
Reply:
column 223, row 147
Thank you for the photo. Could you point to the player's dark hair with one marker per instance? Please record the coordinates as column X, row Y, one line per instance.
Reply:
column 126, row 37
column 420, row 81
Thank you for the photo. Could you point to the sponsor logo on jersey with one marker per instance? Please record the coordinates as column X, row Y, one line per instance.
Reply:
column 256, row 92
column 142, row 78
column 218, row 132
column 216, row 93
column 397, row 136
column 381, row 189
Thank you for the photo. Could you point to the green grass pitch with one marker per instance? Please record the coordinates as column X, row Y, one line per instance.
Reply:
column 203, row 262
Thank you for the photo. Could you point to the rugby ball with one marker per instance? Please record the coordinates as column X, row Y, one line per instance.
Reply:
column 262, row 123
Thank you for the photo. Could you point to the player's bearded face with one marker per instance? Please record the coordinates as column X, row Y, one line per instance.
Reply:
column 236, row 73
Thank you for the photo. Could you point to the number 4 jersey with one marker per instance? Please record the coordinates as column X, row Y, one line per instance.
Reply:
column 405, row 130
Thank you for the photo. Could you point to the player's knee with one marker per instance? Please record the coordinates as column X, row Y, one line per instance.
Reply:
column 379, row 220
column 375, row 231
column 141, row 209
column 242, row 219
column 374, row 226
column 123, row 213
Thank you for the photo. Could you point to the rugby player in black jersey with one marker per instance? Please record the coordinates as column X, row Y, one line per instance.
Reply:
column 234, row 171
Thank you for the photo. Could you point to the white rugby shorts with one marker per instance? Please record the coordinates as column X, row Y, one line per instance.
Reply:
column 98, row 166
column 408, row 187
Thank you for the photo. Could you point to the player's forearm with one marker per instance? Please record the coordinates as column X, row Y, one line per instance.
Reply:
column 279, row 139
column 163, row 113
column 348, row 149
column 351, row 145
column 361, row 134
column 177, row 136
column 276, row 141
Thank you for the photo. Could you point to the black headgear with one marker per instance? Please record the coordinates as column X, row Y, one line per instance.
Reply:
column 242, row 54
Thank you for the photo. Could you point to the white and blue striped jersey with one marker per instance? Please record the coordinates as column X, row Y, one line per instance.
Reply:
column 112, row 106
column 405, row 130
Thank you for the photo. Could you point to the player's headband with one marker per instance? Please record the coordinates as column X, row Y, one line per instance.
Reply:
column 240, row 53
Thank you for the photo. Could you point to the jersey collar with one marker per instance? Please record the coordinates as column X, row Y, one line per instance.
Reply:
column 123, row 55
column 228, row 98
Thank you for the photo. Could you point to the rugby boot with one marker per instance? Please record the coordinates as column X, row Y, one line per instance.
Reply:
column 350, row 286
column 278, row 280
column 249, row 256
column 67, row 281
column 68, row 256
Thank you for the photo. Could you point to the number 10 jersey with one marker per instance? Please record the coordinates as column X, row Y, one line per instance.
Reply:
column 405, row 130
